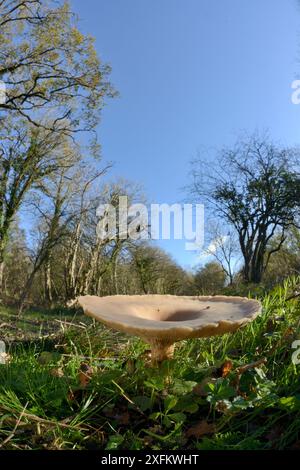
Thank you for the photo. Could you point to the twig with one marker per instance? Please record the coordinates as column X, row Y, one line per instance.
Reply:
column 240, row 370
column 108, row 358
column 42, row 420
column 128, row 399
column 70, row 324
column 292, row 297
column 15, row 428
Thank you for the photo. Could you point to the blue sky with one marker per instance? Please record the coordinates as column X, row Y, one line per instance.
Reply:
column 191, row 74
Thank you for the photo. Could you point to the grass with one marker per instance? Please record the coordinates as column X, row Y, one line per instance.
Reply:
column 36, row 324
column 95, row 388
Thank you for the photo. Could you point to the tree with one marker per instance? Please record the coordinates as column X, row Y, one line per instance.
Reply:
column 148, row 263
column 28, row 155
column 210, row 279
column 53, row 222
column 255, row 187
column 225, row 249
column 17, row 264
column 77, row 240
column 60, row 206
column 286, row 262
column 49, row 67
column 156, row 272
column 115, row 243
column 55, row 87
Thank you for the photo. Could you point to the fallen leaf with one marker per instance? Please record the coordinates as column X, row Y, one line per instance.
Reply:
column 225, row 368
column 85, row 374
column 71, row 395
column 57, row 372
column 201, row 429
column 121, row 415
column 5, row 358
column 288, row 334
column 75, row 395
column 123, row 418
column 146, row 355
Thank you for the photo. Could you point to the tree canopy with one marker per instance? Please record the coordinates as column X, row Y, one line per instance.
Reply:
column 52, row 73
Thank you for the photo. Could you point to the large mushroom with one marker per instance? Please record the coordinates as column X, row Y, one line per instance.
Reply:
column 161, row 320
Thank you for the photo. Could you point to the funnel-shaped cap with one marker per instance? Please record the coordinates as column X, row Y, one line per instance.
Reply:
column 171, row 318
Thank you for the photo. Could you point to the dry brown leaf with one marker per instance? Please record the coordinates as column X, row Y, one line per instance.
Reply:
column 121, row 415
column 123, row 418
column 5, row 358
column 226, row 367
column 71, row 395
column 288, row 334
column 57, row 372
column 146, row 355
column 201, row 429
column 85, row 374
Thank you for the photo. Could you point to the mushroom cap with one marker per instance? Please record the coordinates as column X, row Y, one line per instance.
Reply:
column 171, row 318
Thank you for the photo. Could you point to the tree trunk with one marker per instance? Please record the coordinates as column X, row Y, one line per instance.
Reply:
column 115, row 276
column 99, row 285
column 48, row 284
column 26, row 291
column 1, row 265
column 90, row 273
column 1, row 274
column 71, row 276
column 256, row 272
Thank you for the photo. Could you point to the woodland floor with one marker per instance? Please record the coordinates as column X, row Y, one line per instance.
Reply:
column 69, row 383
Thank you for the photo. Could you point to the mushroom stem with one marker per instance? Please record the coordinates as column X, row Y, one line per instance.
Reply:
column 160, row 351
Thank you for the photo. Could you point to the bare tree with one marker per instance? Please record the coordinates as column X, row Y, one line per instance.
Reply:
column 28, row 155
column 85, row 209
column 55, row 209
column 255, row 187
column 224, row 247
